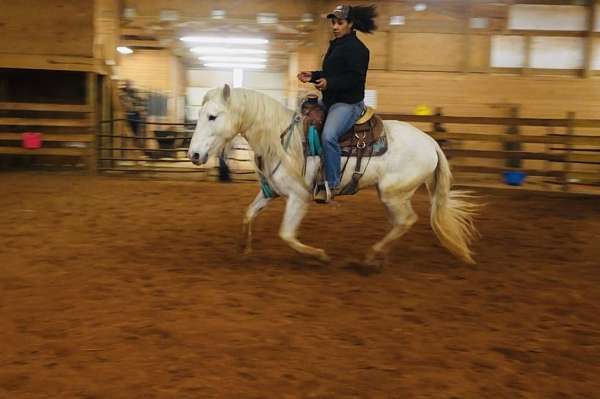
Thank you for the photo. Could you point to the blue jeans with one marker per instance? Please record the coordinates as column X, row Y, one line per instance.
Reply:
column 340, row 118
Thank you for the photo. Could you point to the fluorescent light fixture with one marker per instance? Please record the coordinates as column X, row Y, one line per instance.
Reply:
column 168, row 15
column 233, row 65
column 124, row 50
column 397, row 20
column 307, row 17
column 129, row 13
column 223, row 40
column 267, row 18
column 217, row 14
column 420, row 7
column 227, row 50
column 217, row 58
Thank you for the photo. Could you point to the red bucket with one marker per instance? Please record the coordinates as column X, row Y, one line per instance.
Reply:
column 32, row 140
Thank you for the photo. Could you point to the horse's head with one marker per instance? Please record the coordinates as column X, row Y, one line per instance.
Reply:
column 215, row 126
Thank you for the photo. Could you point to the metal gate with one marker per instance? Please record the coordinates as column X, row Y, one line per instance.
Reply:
column 159, row 147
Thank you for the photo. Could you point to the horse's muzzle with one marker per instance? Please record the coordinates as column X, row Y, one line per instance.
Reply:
column 197, row 159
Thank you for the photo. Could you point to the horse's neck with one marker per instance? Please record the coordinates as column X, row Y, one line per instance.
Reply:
column 255, row 131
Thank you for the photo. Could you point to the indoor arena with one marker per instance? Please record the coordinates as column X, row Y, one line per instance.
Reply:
column 309, row 199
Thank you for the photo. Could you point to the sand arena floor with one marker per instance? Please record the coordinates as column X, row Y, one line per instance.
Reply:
column 122, row 288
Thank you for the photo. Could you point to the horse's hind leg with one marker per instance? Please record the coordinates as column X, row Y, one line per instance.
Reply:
column 253, row 210
column 295, row 209
column 402, row 217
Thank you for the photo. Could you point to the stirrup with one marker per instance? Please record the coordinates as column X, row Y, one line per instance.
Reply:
column 322, row 194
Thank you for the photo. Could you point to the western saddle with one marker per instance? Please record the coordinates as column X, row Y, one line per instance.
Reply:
column 365, row 138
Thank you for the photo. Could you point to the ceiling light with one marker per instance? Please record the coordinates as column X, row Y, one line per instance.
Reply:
column 217, row 14
column 226, row 50
column 216, row 58
column 267, row 18
column 168, row 15
column 233, row 65
column 397, row 20
column 307, row 17
column 224, row 40
column 420, row 7
column 129, row 13
column 124, row 50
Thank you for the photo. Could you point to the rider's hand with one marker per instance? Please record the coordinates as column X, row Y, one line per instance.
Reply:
column 321, row 84
column 304, row 77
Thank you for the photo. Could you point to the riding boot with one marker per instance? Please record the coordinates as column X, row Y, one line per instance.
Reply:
column 323, row 194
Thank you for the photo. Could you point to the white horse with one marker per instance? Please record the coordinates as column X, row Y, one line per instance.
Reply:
column 413, row 158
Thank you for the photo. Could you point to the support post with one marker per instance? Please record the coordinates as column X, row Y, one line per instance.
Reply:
column 569, row 148
column 91, row 88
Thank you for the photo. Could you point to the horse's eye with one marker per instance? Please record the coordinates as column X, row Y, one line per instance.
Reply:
column 212, row 117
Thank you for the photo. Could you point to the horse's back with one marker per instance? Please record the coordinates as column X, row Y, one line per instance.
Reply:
column 409, row 149
column 403, row 136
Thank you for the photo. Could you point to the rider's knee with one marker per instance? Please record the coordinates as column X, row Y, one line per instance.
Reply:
column 329, row 137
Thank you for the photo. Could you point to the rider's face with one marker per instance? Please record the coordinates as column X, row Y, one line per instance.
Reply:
column 341, row 27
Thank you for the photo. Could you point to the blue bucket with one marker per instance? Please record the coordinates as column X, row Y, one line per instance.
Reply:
column 514, row 177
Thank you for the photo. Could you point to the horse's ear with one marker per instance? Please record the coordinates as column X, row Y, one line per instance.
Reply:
column 226, row 93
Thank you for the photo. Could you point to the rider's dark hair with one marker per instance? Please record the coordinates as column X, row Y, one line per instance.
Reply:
column 363, row 18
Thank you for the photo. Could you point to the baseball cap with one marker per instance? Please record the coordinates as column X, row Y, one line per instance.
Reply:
column 340, row 12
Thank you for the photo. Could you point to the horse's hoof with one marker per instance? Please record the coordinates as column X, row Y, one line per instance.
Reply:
column 245, row 249
column 323, row 257
column 375, row 260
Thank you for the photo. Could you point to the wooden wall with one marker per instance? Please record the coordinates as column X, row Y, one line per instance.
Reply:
column 233, row 8
column 435, row 59
column 155, row 70
column 57, row 27
column 149, row 69
column 480, row 94
column 107, row 21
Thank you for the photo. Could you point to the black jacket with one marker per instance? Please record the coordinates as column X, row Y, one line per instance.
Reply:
column 345, row 67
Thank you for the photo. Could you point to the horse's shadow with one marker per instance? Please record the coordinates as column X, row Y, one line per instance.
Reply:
column 353, row 266
column 362, row 268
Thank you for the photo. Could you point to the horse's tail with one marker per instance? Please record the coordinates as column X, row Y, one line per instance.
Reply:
column 451, row 212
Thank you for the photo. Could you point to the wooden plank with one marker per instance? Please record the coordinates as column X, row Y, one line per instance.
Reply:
column 51, row 62
column 92, row 102
column 467, row 45
column 47, row 27
column 78, row 152
column 425, row 68
column 492, row 170
column 7, row 106
column 588, row 55
column 539, row 32
column 44, row 122
column 567, row 165
column 543, row 2
column 593, row 159
column 483, row 120
column 536, row 71
column 154, row 44
column 574, row 158
column 78, row 138
column 504, row 155
column 389, row 64
column 505, row 138
column 526, row 70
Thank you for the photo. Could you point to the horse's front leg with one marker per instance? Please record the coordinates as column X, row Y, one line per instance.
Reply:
column 253, row 209
column 295, row 209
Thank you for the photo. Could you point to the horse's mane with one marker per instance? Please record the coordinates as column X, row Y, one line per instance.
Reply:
column 262, row 120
